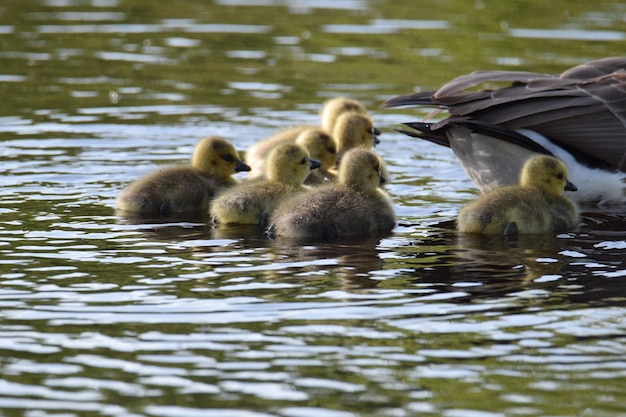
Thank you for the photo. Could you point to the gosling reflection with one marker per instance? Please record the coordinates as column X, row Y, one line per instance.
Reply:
column 484, row 265
column 180, row 227
column 347, row 264
column 350, row 261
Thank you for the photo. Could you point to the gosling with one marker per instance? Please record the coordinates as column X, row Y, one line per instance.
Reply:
column 353, row 206
column 185, row 188
column 257, row 153
column 353, row 130
column 536, row 205
column 252, row 202
column 335, row 107
column 321, row 147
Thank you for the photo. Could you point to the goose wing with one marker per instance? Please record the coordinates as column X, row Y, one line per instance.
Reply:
column 583, row 110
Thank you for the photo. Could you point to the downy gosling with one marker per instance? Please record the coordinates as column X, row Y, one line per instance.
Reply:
column 257, row 153
column 185, row 188
column 353, row 206
column 536, row 205
column 252, row 202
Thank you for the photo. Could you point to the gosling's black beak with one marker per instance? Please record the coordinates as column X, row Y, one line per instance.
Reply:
column 315, row 163
column 382, row 180
column 570, row 187
column 241, row 166
column 375, row 133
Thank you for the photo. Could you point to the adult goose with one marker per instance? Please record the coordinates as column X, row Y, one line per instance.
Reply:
column 578, row 117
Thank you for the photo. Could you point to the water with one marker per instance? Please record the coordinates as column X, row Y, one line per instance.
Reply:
column 103, row 316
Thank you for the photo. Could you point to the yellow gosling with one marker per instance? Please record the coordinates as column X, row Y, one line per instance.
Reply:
column 252, row 202
column 353, row 130
column 353, row 206
column 257, row 153
column 536, row 205
column 321, row 147
column 185, row 188
column 335, row 107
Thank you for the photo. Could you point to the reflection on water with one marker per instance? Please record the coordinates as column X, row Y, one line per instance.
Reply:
column 105, row 314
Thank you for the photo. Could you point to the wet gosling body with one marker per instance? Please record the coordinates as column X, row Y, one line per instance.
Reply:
column 354, row 205
column 536, row 205
column 252, row 202
column 185, row 188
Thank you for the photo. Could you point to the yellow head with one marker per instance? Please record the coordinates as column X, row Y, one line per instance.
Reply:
column 218, row 157
column 546, row 173
column 354, row 130
column 361, row 169
column 320, row 146
column 289, row 164
column 335, row 107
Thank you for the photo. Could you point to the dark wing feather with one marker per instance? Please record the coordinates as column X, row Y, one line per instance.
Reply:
column 596, row 68
column 436, row 132
column 426, row 131
column 411, row 99
column 583, row 110
column 458, row 86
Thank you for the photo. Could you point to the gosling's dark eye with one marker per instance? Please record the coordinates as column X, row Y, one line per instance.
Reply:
column 331, row 151
column 303, row 161
column 559, row 175
column 228, row 158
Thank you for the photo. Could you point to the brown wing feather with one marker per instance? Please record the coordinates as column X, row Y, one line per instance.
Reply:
column 462, row 83
column 584, row 109
column 596, row 68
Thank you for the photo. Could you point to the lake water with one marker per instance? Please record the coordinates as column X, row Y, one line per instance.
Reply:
column 100, row 316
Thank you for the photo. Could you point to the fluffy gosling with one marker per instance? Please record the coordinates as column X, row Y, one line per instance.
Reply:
column 252, row 202
column 354, row 205
column 257, row 153
column 536, row 205
column 185, row 188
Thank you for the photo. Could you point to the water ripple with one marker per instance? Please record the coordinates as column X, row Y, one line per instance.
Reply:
column 103, row 314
